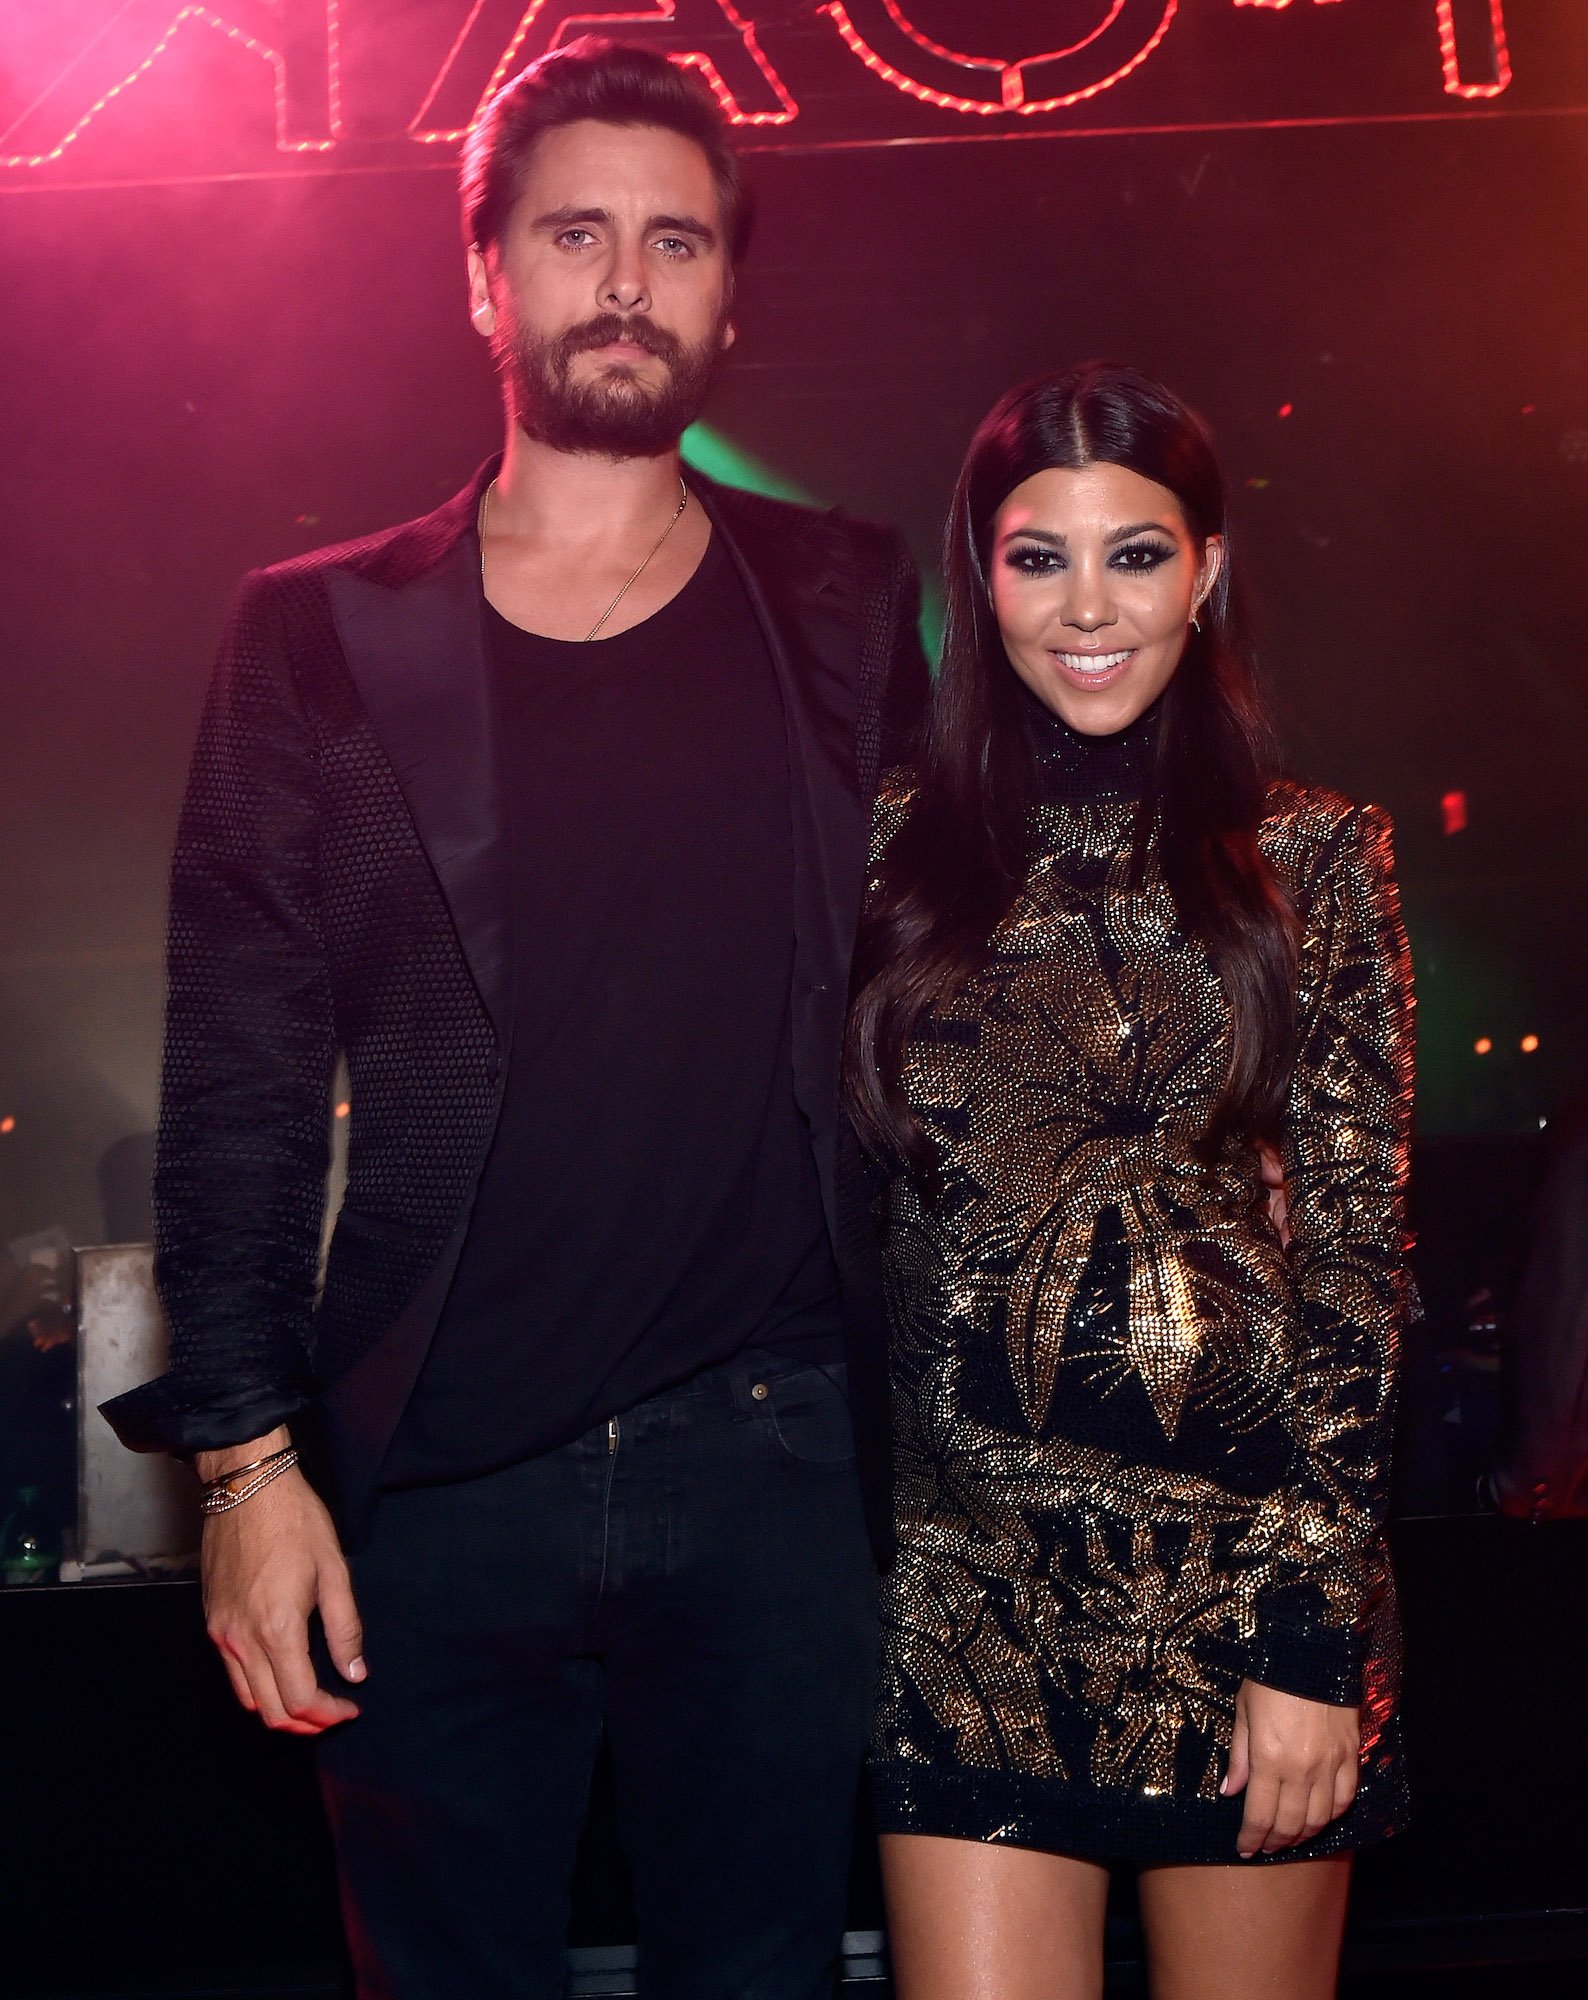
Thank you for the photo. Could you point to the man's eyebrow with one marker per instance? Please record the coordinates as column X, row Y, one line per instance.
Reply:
column 562, row 218
column 683, row 225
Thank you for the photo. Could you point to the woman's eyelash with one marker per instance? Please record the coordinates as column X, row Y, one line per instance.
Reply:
column 1152, row 554
column 1139, row 557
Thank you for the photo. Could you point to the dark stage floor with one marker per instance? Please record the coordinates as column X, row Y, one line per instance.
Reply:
column 122, row 1737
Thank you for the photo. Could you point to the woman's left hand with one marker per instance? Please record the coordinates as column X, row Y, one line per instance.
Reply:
column 1296, row 1760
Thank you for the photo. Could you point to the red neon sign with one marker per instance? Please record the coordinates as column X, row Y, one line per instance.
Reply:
column 301, row 42
column 1450, row 57
column 307, row 86
column 538, row 30
column 1045, row 81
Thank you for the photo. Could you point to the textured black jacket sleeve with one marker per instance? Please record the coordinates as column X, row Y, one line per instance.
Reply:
column 243, row 1144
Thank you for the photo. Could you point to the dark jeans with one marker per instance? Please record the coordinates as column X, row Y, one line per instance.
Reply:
column 702, row 1584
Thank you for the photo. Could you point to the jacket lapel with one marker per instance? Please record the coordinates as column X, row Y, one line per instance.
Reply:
column 800, row 580
column 413, row 635
column 414, row 640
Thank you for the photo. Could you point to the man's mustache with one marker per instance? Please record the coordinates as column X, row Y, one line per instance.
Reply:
column 607, row 327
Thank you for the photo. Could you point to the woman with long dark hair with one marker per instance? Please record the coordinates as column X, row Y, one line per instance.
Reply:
column 1141, row 1609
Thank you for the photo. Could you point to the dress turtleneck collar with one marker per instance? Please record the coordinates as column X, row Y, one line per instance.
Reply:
column 1078, row 770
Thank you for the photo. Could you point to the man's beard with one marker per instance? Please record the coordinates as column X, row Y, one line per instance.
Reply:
column 614, row 415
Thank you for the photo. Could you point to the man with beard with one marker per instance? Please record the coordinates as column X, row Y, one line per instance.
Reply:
column 549, row 812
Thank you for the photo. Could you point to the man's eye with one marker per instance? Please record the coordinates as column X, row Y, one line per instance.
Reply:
column 583, row 235
column 674, row 246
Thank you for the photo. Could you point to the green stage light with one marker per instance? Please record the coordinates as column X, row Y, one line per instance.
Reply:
column 708, row 451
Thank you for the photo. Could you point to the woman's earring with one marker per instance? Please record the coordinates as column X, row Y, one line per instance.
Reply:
column 1196, row 623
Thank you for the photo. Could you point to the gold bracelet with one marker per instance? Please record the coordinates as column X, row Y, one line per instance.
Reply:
column 220, row 1499
column 237, row 1471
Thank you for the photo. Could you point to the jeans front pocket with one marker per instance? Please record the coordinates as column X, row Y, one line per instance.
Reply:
column 808, row 1413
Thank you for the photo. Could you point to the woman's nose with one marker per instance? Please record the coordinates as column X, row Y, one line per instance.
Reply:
column 1089, row 602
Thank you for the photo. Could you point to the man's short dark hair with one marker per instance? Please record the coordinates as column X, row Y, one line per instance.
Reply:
column 615, row 83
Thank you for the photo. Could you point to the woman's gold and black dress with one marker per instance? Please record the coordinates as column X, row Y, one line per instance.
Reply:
column 1141, row 1450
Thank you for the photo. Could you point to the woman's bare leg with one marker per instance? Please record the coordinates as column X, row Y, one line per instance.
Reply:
column 971, row 1920
column 1243, row 1932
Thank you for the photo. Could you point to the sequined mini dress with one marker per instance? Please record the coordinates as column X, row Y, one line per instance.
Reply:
column 1140, row 1448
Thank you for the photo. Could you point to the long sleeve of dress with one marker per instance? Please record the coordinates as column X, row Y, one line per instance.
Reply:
column 243, row 1146
column 1345, row 1156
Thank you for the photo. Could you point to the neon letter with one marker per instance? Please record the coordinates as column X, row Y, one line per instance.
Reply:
column 297, row 38
column 709, row 35
column 1499, row 56
column 882, row 35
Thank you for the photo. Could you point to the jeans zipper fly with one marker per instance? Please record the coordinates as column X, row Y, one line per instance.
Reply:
column 612, row 1435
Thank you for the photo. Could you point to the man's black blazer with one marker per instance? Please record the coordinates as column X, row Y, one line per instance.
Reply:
column 339, row 886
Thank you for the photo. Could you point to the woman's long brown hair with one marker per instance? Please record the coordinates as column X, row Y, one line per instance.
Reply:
column 953, row 869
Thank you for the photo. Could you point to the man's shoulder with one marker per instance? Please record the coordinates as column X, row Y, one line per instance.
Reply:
column 390, row 556
column 873, row 547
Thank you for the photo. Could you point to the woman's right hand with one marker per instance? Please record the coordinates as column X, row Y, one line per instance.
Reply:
column 267, row 1565
column 1297, row 1762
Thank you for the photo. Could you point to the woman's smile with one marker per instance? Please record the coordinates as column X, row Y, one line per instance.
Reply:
column 1093, row 670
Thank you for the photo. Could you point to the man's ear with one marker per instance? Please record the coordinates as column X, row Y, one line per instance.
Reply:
column 482, row 312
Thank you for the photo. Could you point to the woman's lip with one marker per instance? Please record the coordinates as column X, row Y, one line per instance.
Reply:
column 1093, row 677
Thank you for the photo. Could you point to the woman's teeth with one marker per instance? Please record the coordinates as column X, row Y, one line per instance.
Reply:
column 1095, row 663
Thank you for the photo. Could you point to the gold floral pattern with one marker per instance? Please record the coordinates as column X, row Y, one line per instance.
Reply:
column 1141, row 1450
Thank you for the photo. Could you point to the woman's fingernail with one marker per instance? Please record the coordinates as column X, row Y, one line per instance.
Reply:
column 356, row 1670
column 1224, row 1784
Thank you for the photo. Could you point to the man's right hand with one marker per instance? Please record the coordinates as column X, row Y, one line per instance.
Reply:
column 267, row 1565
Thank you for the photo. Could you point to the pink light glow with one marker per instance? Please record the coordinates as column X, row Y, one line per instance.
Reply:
column 206, row 17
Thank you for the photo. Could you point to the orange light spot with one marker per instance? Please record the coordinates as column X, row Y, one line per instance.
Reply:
column 1482, row 1045
column 343, row 1109
column 1529, row 1045
column 8, row 1124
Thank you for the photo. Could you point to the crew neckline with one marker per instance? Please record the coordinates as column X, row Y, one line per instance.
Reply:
column 703, row 572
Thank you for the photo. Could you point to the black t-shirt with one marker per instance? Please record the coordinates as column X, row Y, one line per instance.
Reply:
column 650, row 1205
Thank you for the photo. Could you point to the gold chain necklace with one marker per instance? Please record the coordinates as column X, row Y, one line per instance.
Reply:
column 678, row 515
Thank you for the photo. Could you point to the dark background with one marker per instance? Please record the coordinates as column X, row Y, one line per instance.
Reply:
column 214, row 355
column 203, row 373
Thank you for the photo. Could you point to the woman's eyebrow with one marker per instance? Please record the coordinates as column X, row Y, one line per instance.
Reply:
column 1057, row 541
